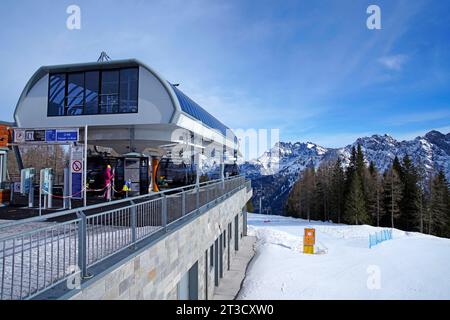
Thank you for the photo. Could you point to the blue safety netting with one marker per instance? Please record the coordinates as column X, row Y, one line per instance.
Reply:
column 379, row 237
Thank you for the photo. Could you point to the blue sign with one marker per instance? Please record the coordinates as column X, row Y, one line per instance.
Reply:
column 66, row 136
column 77, row 185
column 50, row 135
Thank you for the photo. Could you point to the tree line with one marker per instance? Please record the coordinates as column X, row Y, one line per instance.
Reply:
column 403, row 197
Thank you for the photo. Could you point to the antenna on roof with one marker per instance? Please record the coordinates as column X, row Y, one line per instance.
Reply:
column 103, row 57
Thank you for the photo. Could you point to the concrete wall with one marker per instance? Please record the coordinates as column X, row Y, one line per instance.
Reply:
column 155, row 272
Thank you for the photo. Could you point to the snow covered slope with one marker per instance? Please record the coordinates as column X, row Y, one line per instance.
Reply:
column 411, row 266
column 279, row 168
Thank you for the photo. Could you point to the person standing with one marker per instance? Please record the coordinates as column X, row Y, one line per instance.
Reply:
column 108, row 182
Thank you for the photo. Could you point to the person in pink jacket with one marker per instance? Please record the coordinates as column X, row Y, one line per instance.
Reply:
column 108, row 182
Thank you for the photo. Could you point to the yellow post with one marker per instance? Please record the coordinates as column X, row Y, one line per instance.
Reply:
column 309, row 240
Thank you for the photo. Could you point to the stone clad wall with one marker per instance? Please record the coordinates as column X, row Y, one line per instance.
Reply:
column 156, row 271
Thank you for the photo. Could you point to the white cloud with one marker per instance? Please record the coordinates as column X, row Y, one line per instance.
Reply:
column 393, row 62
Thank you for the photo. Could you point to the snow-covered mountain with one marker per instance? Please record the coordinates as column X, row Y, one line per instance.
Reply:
column 276, row 171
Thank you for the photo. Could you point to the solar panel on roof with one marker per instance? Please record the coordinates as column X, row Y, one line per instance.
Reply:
column 193, row 109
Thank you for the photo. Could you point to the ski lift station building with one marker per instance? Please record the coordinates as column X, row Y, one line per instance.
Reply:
column 178, row 243
column 126, row 104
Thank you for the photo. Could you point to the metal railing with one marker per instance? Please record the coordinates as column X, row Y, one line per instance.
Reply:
column 36, row 254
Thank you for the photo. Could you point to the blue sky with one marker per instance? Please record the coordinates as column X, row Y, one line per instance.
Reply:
column 310, row 68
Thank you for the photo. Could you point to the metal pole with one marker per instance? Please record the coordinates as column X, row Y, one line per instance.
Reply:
column 70, row 177
column 260, row 204
column 66, row 191
column 82, row 233
column 197, row 168
column 31, row 195
column 50, row 188
column 164, row 211
column 222, row 167
column 40, row 198
column 85, row 165
column 133, row 223
column 183, row 202
column 11, row 194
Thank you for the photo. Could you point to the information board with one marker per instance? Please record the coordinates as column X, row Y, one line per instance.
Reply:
column 46, row 135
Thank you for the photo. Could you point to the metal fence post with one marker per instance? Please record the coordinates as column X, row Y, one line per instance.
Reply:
column 183, row 203
column 164, row 211
column 197, row 200
column 82, row 252
column 133, row 223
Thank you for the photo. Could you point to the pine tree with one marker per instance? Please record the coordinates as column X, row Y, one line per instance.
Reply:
column 423, row 195
column 301, row 200
column 374, row 194
column 309, row 187
column 294, row 201
column 409, row 204
column 323, row 191
column 438, row 219
column 350, row 170
column 392, row 194
column 360, row 165
column 337, row 190
column 355, row 208
column 398, row 167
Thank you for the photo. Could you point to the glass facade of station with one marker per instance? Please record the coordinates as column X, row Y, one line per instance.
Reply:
column 93, row 92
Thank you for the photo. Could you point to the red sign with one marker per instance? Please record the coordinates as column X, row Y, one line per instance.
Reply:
column 77, row 166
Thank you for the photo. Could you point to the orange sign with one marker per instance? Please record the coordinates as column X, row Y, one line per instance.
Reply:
column 309, row 238
column 4, row 136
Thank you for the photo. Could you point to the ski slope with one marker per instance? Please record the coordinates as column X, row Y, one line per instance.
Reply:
column 411, row 266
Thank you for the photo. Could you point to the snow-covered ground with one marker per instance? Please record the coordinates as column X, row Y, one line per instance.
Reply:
column 411, row 266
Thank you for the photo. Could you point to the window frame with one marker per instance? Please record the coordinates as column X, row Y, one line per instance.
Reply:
column 66, row 98
column 65, row 93
column 99, row 83
column 120, row 90
column 100, row 78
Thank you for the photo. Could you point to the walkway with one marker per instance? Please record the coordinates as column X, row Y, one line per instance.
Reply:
column 231, row 282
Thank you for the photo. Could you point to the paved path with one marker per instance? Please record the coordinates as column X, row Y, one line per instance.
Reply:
column 230, row 284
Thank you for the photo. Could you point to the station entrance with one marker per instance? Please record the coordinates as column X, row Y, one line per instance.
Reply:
column 132, row 171
column 55, row 170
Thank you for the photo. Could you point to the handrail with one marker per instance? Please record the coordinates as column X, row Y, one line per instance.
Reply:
column 107, row 204
column 90, row 239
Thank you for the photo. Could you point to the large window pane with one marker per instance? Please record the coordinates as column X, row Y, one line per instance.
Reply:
column 56, row 95
column 75, row 94
column 109, row 101
column 92, row 92
column 129, row 90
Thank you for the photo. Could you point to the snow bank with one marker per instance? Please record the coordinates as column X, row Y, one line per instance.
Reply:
column 411, row 266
